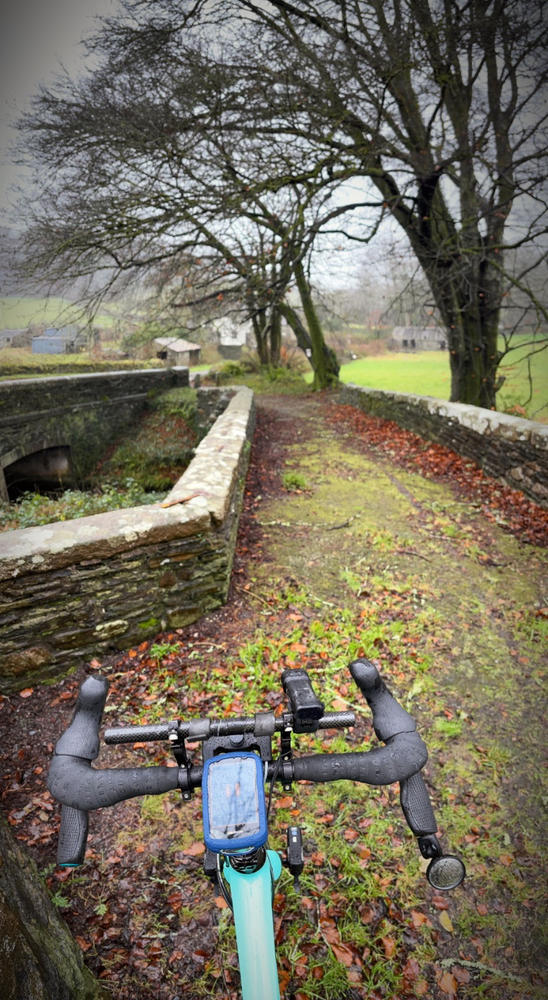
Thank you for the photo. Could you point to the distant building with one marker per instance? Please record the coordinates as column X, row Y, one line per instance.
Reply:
column 53, row 341
column 419, row 338
column 232, row 335
column 11, row 338
column 177, row 351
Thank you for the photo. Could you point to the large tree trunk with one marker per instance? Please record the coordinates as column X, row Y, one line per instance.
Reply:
column 474, row 360
column 275, row 337
column 302, row 337
column 469, row 296
column 464, row 271
column 467, row 288
column 39, row 960
column 260, row 331
column 323, row 359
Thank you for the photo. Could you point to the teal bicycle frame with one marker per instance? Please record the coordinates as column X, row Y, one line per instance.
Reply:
column 252, row 894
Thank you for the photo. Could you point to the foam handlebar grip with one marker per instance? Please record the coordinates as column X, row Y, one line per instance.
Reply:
column 74, row 782
column 416, row 805
column 398, row 760
column 389, row 718
column 73, row 835
column 81, row 739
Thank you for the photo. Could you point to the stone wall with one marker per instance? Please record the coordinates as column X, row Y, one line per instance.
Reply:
column 83, row 412
column 507, row 448
column 73, row 590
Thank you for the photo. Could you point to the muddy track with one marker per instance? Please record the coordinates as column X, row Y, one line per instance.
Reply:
column 461, row 603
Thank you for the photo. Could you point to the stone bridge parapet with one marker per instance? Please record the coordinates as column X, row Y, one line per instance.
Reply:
column 507, row 448
column 73, row 590
column 82, row 413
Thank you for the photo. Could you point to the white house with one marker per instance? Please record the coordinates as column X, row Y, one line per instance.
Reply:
column 233, row 335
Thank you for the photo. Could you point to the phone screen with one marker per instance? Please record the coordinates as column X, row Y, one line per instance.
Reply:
column 233, row 798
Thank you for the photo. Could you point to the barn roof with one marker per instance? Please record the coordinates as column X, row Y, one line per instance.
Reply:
column 177, row 344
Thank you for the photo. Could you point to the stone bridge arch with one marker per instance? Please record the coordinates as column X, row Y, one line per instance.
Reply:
column 42, row 465
column 77, row 416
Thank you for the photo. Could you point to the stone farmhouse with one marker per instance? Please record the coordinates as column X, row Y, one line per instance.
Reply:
column 419, row 338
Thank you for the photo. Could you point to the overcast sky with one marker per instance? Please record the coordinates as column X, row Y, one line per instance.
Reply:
column 35, row 37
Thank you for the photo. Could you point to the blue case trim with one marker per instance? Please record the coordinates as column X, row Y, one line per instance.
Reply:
column 220, row 771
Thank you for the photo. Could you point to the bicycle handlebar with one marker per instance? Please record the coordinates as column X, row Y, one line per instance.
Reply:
column 202, row 729
column 79, row 787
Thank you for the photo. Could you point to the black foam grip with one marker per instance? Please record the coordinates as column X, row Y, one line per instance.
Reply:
column 400, row 758
column 74, row 782
column 81, row 739
column 389, row 718
column 73, row 835
column 416, row 805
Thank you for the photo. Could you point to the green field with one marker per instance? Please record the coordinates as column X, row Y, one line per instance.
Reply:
column 427, row 373
column 19, row 313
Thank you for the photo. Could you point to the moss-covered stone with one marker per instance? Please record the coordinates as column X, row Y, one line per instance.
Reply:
column 506, row 447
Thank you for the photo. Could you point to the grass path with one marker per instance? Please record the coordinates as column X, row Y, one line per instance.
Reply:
column 382, row 561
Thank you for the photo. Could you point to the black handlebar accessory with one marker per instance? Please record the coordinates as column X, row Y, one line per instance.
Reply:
column 306, row 706
column 295, row 855
column 446, row 872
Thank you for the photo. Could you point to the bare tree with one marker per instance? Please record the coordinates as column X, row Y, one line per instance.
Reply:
column 208, row 121
column 150, row 174
column 440, row 106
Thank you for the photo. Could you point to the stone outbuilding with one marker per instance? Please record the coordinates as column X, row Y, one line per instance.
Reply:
column 419, row 338
column 14, row 338
column 177, row 351
column 54, row 340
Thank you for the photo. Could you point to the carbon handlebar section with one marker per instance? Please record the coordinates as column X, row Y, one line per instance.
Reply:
column 204, row 728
